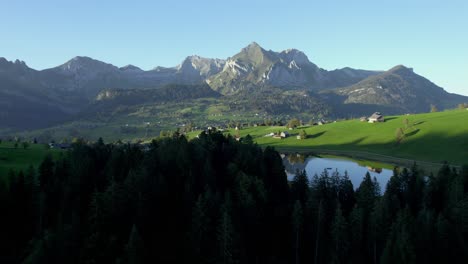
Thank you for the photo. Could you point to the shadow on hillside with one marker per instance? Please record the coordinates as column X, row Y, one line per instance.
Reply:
column 316, row 135
column 412, row 133
column 418, row 123
column 357, row 141
column 389, row 118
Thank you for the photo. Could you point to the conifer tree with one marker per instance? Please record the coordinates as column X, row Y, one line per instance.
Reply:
column 297, row 221
column 340, row 238
column 200, row 223
column 300, row 187
column 134, row 249
column 346, row 195
column 46, row 171
column 225, row 234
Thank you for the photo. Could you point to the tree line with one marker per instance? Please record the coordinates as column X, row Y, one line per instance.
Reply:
column 216, row 200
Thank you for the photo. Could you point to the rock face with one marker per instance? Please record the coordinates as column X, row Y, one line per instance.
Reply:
column 293, row 68
column 86, row 76
column 196, row 69
column 254, row 66
column 290, row 69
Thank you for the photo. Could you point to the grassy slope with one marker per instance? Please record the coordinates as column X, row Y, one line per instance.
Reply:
column 432, row 137
column 19, row 159
column 202, row 112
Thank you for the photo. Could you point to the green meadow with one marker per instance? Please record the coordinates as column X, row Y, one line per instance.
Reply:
column 19, row 158
column 431, row 137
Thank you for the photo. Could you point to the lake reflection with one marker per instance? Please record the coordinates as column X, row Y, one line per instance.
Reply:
column 316, row 165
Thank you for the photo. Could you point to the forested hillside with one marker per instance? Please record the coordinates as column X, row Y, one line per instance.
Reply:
column 216, row 200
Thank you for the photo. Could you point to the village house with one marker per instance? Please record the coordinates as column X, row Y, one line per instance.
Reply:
column 284, row 134
column 376, row 117
column 59, row 145
column 321, row 122
column 279, row 135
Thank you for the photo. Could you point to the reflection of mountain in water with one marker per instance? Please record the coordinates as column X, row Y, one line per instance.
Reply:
column 292, row 163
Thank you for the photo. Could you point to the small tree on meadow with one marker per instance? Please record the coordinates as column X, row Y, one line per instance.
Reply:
column 434, row 109
column 293, row 123
column 399, row 134
column 302, row 134
column 406, row 123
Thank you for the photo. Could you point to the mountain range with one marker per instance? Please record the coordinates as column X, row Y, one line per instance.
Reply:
column 255, row 79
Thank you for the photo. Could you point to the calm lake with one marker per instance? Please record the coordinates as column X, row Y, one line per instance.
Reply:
column 316, row 165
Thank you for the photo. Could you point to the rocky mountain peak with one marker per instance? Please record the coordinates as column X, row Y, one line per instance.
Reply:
column 253, row 45
column 17, row 65
column 197, row 67
column 20, row 62
column 82, row 63
column 252, row 52
column 5, row 63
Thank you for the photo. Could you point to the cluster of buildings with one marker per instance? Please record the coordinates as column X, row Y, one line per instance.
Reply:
column 54, row 145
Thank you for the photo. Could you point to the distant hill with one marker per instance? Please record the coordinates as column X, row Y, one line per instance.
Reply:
column 401, row 89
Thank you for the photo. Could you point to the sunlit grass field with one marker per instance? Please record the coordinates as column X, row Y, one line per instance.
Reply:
column 19, row 158
column 431, row 137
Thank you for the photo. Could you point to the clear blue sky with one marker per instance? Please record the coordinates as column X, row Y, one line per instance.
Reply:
column 430, row 36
